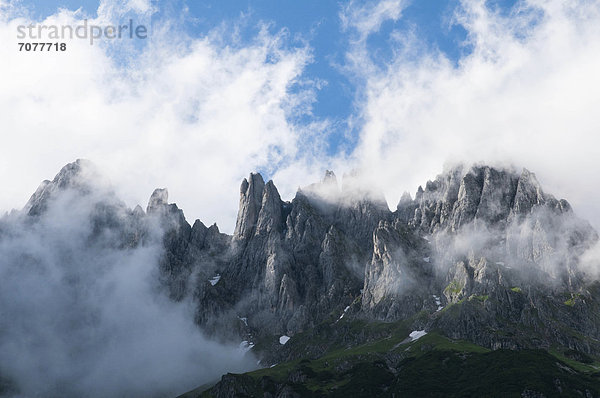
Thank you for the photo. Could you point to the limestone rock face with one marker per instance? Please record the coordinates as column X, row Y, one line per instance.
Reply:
column 498, row 211
column 486, row 240
column 398, row 278
column 251, row 195
column 528, row 194
column 292, row 263
column 460, row 196
column 477, row 251
column 271, row 209
column 490, row 243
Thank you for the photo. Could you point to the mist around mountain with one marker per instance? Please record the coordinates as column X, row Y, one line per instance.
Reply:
column 481, row 280
column 83, row 313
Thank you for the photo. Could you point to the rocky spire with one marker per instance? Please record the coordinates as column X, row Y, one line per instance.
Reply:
column 251, row 194
column 158, row 200
column 269, row 217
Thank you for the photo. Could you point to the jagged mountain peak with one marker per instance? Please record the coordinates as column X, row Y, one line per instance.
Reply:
column 74, row 172
column 257, row 200
column 158, row 199
column 486, row 194
column 80, row 175
column 255, row 180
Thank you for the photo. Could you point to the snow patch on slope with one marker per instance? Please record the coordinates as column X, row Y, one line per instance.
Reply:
column 417, row 334
column 283, row 339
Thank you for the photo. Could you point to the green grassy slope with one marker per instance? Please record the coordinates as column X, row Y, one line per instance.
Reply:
column 432, row 366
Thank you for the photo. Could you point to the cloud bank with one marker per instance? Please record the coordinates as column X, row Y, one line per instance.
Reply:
column 84, row 315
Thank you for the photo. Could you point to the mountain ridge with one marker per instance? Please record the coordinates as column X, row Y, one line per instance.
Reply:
column 480, row 254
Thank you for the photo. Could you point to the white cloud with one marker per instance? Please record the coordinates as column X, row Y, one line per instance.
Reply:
column 527, row 94
column 124, row 6
column 367, row 18
column 194, row 115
